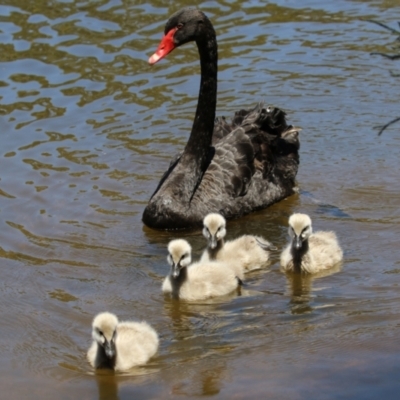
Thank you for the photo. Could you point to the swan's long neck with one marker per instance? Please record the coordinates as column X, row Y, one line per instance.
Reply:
column 169, row 203
column 212, row 253
column 199, row 142
column 103, row 361
column 298, row 255
column 177, row 282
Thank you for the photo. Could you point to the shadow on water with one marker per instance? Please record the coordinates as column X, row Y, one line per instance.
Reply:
column 325, row 209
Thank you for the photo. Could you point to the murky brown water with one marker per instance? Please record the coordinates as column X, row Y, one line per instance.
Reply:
column 87, row 129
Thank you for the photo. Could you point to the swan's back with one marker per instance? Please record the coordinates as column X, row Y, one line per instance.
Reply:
column 136, row 343
column 243, row 254
column 247, row 251
column 258, row 147
column 210, row 279
column 325, row 250
column 248, row 169
column 204, row 280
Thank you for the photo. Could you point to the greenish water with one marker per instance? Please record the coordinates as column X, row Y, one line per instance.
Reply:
column 88, row 127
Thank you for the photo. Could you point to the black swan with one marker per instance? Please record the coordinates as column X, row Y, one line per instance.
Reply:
column 232, row 169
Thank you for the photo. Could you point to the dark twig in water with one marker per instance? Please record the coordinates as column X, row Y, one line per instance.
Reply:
column 385, row 26
column 390, row 57
column 382, row 128
column 394, row 57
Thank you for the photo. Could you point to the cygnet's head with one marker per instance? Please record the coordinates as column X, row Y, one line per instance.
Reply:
column 300, row 229
column 104, row 332
column 214, row 228
column 179, row 256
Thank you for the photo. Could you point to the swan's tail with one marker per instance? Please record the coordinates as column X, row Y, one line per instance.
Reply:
column 270, row 120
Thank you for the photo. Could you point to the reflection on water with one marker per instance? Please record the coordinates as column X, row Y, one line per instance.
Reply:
column 88, row 128
column 107, row 386
column 301, row 289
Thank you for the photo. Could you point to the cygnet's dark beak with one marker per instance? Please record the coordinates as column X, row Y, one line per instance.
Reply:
column 213, row 242
column 297, row 243
column 109, row 348
column 175, row 270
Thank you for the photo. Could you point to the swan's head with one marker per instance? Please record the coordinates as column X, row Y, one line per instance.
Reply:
column 214, row 229
column 300, row 229
column 104, row 332
column 184, row 26
column 179, row 256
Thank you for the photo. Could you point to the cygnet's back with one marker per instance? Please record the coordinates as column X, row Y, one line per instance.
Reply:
column 309, row 252
column 246, row 253
column 198, row 281
column 121, row 345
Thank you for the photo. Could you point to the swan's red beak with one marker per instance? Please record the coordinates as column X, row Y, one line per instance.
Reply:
column 166, row 46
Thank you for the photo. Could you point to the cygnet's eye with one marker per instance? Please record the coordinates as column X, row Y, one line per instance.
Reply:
column 269, row 109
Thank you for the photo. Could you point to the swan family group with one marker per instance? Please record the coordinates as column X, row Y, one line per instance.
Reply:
column 225, row 171
column 220, row 271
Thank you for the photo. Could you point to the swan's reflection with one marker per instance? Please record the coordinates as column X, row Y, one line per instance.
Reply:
column 107, row 385
column 300, row 288
column 198, row 346
column 206, row 382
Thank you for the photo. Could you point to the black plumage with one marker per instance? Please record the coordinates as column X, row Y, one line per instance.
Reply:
column 230, row 168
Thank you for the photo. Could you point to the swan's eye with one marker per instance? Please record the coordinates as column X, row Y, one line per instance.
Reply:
column 269, row 109
column 179, row 26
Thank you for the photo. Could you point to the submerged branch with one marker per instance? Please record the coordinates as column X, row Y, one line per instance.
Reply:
column 390, row 57
column 383, row 127
column 394, row 57
column 385, row 26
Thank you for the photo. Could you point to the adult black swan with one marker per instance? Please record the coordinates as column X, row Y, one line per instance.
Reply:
column 231, row 169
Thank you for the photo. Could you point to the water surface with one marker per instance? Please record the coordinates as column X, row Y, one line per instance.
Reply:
column 87, row 129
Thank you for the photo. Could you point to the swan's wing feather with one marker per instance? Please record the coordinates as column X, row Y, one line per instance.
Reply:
column 231, row 169
column 221, row 129
column 171, row 167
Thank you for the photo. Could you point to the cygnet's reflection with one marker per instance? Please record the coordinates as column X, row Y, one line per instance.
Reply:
column 300, row 288
column 107, row 384
column 206, row 381
column 198, row 345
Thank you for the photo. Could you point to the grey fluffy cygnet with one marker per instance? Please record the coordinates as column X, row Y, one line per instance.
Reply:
column 246, row 253
column 120, row 345
column 309, row 252
column 196, row 281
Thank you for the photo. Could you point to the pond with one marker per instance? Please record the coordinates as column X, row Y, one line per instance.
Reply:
column 88, row 128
